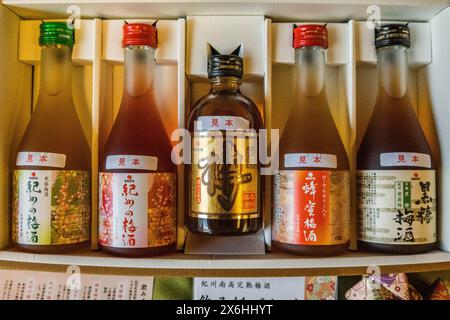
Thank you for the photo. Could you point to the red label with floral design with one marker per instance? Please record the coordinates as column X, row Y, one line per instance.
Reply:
column 137, row 210
column 311, row 207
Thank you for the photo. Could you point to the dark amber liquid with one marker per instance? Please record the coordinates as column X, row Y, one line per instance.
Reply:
column 393, row 127
column 224, row 101
column 311, row 129
column 139, row 130
column 55, row 128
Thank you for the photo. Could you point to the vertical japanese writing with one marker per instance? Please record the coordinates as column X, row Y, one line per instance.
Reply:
column 33, row 190
column 129, row 194
column 309, row 190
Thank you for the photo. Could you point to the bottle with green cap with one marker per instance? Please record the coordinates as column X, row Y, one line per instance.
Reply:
column 51, row 193
column 396, row 167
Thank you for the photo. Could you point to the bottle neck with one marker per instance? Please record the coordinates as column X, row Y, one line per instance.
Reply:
column 309, row 76
column 225, row 84
column 139, row 69
column 56, row 71
column 393, row 70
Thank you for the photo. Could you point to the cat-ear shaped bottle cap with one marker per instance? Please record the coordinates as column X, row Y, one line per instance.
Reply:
column 225, row 65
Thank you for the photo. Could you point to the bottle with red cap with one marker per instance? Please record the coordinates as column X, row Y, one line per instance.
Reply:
column 311, row 201
column 137, row 209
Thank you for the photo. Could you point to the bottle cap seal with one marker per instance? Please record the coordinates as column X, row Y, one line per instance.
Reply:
column 225, row 65
column 392, row 34
column 53, row 33
column 310, row 35
column 139, row 34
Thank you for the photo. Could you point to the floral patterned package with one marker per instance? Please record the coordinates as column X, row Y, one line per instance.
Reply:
column 440, row 290
column 394, row 286
column 321, row 288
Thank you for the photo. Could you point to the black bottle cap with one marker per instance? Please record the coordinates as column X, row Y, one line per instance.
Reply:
column 391, row 35
column 225, row 65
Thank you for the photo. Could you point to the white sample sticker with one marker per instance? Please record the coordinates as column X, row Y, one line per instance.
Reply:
column 405, row 159
column 315, row 160
column 41, row 159
column 135, row 162
column 221, row 123
column 32, row 285
column 292, row 288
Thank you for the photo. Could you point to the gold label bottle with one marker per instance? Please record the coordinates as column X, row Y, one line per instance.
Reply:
column 224, row 186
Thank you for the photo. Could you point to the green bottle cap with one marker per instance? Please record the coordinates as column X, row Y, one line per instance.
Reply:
column 56, row 33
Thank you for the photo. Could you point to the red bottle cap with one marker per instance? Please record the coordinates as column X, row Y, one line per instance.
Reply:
column 139, row 34
column 311, row 35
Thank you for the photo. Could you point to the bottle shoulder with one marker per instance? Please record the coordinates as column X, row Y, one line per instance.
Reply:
column 310, row 129
column 393, row 128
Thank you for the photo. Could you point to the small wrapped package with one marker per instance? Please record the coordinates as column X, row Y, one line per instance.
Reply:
column 440, row 290
column 394, row 286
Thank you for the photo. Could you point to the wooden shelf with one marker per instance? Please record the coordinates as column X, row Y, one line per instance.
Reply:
column 271, row 264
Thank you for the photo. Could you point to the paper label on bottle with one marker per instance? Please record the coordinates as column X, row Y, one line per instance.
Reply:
column 206, row 123
column 288, row 288
column 135, row 162
column 72, row 285
column 137, row 210
column 397, row 206
column 224, row 184
column 50, row 207
column 311, row 207
column 41, row 159
column 405, row 159
column 314, row 160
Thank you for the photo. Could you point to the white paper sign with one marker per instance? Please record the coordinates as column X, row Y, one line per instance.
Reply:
column 287, row 288
column 41, row 159
column 315, row 160
column 205, row 123
column 405, row 159
column 135, row 162
column 32, row 285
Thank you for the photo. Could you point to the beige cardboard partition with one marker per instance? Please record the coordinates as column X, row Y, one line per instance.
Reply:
column 268, row 62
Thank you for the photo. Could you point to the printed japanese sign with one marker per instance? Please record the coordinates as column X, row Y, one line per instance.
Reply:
column 292, row 288
column 32, row 285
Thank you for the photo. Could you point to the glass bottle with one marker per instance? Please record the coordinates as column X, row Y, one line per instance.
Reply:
column 224, row 187
column 51, row 187
column 396, row 173
column 311, row 196
column 137, row 214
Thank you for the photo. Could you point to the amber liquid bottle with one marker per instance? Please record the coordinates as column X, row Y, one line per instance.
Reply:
column 51, row 193
column 311, row 197
column 396, row 174
column 138, row 179
column 224, row 186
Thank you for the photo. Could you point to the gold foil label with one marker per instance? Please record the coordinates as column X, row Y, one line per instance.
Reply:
column 224, row 176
